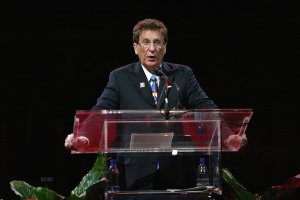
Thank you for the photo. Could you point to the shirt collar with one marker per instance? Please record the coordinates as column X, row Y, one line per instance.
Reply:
column 148, row 75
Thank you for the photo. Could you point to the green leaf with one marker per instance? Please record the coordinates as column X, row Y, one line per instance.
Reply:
column 73, row 197
column 89, row 188
column 26, row 191
column 98, row 171
column 96, row 191
column 241, row 192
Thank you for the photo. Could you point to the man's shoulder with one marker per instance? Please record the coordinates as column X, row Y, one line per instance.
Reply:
column 126, row 68
column 175, row 67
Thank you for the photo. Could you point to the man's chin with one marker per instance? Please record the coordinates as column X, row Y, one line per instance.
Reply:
column 151, row 68
column 152, row 65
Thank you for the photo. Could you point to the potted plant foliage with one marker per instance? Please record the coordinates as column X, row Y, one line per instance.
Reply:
column 92, row 187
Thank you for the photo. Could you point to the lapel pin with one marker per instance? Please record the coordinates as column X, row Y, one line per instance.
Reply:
column 142, row 85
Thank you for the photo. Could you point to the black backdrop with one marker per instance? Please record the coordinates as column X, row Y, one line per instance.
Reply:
column 57, row 56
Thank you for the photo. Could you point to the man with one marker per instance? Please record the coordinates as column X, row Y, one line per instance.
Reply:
column 129, row 88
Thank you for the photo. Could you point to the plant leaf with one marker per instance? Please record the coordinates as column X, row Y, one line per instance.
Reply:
column 73, row 197
column 26, row 191
column 96, row 191
column 98, row 171
column 241, row 192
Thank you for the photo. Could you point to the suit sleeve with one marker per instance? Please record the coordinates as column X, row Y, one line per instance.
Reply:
column 110, row 97
column 196, row 97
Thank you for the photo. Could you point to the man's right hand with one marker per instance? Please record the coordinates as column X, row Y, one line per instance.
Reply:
column 236, row 142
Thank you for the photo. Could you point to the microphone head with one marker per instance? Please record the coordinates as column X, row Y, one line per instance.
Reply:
column 158, row 71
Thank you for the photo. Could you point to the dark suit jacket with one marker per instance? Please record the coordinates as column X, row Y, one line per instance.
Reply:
column 129, row 89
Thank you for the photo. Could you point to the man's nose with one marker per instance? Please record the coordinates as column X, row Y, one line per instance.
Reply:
column 152, row 47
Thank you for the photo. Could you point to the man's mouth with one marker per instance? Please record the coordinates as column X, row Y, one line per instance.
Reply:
column 151, row 57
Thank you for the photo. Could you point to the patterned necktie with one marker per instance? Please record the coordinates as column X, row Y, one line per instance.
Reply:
column 154, row 87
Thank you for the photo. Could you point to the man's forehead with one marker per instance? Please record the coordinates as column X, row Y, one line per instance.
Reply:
column 151, row 34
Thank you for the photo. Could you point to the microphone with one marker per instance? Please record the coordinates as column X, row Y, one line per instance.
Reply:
column 159, row 72
column 168, row 84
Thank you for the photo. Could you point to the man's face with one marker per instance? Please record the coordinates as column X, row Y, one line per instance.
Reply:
column 151, row 49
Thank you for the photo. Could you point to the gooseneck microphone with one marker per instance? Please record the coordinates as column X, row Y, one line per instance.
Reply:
column 159, row 72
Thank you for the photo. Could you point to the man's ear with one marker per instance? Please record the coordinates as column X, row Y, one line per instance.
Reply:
column 165, row 51
column 135, row 48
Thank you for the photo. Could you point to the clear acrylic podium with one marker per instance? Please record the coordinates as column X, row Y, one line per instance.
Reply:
column 205, row 133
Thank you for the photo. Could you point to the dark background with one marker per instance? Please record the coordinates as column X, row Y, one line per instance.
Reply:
column 57, row 56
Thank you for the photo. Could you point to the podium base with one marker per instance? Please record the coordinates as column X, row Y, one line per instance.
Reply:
column 197, row 193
